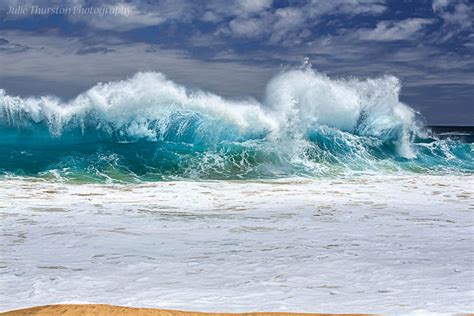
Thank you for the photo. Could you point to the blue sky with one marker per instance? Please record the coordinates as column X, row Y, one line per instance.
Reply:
column 234, row 47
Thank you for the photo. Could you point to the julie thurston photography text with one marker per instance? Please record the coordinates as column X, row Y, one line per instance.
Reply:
column 121, row 9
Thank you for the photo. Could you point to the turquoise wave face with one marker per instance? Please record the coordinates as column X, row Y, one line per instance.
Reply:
column 92, row 157
column 147, row 128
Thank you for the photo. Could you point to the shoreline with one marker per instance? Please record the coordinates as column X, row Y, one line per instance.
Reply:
column 113, row 310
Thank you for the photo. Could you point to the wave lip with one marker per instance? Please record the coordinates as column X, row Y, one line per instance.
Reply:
column 148, row 127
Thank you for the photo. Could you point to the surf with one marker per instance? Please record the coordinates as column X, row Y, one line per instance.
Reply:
column 148, row 127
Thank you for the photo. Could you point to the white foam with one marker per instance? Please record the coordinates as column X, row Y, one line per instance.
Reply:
column 296, row 102
column 388, row 245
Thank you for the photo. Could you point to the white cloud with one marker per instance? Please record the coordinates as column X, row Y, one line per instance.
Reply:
column 394, row 30
column 135, row 18
column 458, row 13
column 210, row 16
column 247, row 27
column 284, row 25
column 352, row 7
column 239, row 8
column 288, row 18
column 254, row 6
column 439, row 5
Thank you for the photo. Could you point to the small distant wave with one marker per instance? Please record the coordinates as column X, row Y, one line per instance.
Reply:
column 150, row 128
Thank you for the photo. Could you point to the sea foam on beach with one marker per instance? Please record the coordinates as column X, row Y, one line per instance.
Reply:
column 389, row 245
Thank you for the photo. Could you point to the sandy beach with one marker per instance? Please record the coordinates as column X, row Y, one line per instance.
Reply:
column 110, row 310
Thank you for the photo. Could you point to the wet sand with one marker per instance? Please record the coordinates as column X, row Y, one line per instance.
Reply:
column 109, row 310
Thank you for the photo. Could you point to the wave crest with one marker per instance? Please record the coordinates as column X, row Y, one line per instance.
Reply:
column 307, row 123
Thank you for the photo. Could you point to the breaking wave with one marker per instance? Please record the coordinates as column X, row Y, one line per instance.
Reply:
column 150, row 128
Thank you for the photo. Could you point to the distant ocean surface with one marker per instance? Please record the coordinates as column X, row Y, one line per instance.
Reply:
column 326, row 196
column 462, row 133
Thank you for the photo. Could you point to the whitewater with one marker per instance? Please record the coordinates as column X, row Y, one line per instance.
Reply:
column 149, row 128
column 328, row 195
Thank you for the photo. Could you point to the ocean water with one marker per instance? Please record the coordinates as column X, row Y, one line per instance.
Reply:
column 326, row 196
column 148, row 128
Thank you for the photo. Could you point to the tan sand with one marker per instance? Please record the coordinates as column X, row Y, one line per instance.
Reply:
column 109, row 310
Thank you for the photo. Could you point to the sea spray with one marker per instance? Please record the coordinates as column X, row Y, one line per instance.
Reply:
column 150, row 128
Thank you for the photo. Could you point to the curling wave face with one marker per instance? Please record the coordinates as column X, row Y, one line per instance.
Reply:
column 149, row 128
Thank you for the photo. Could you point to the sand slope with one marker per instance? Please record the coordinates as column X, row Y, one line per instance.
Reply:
column 109, row 310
